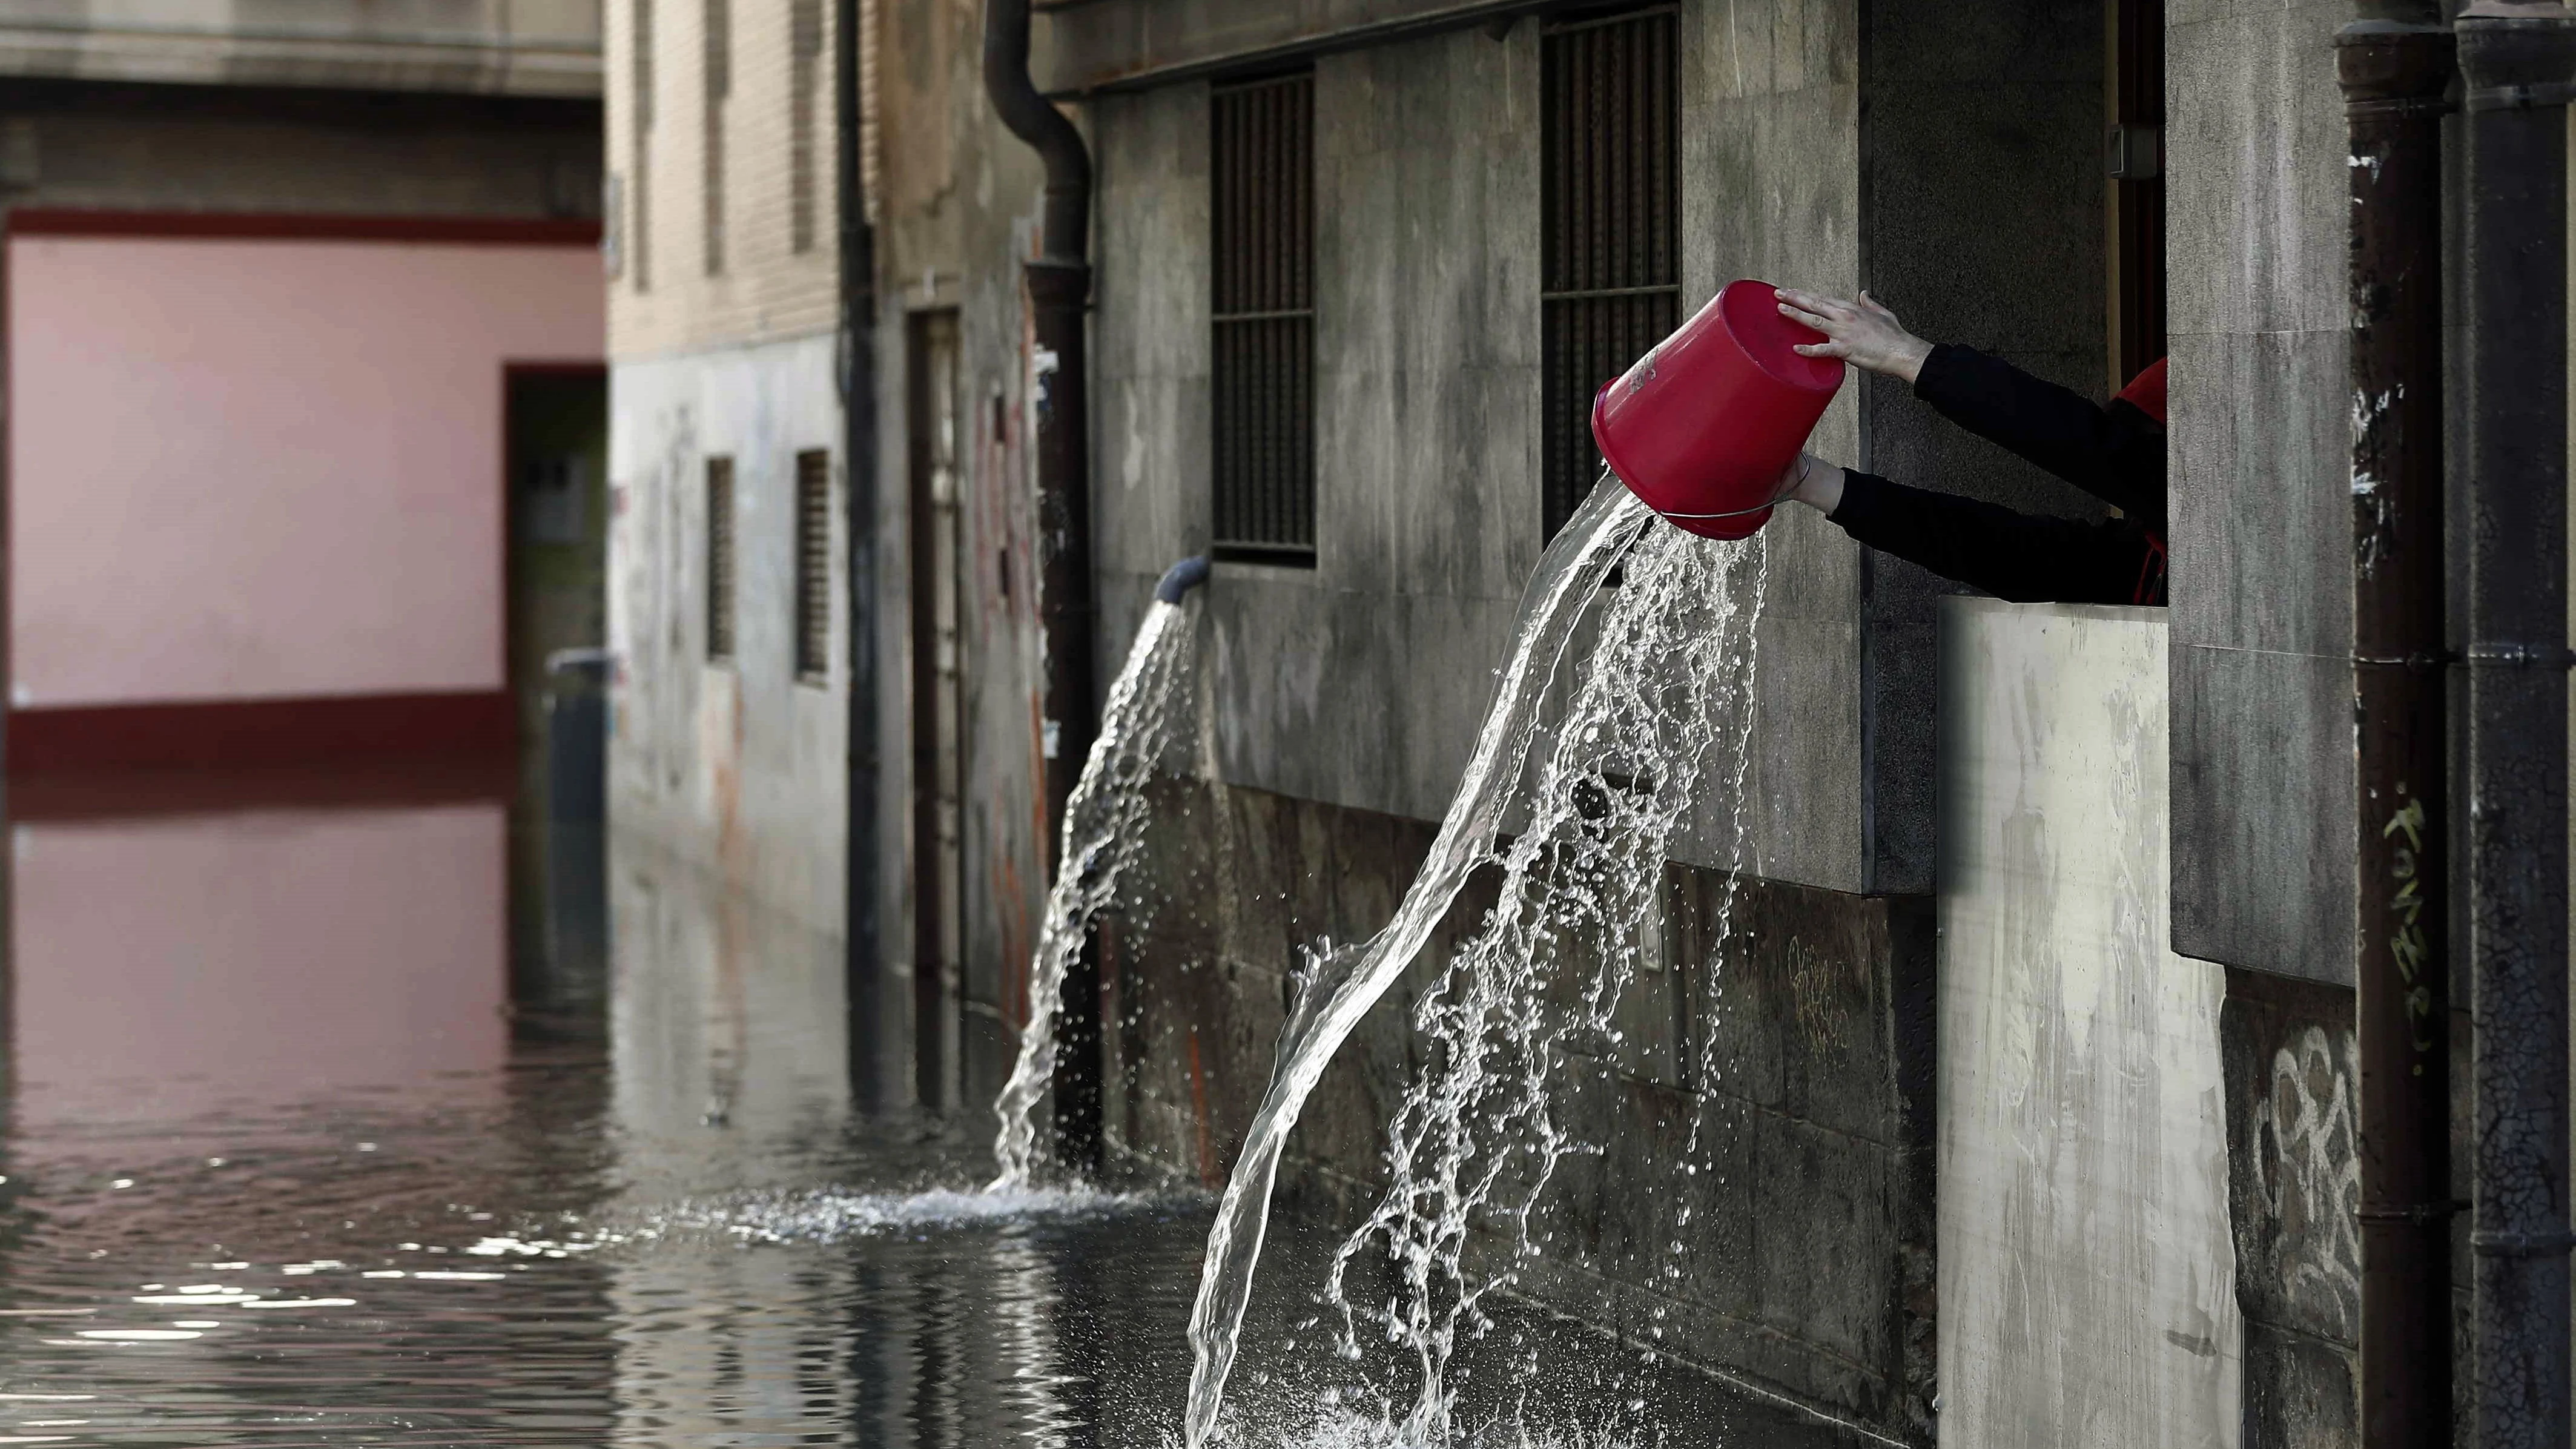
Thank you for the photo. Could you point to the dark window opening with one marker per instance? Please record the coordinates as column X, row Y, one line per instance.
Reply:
column 804, row 85
column 719, row 73
column 639, row 184
column 1610, row 234
column 1262, row 170
column 720, row 560
column 813, row 566
column 2135, row 160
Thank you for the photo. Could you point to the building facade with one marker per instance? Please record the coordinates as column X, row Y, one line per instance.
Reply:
column 1357, row 269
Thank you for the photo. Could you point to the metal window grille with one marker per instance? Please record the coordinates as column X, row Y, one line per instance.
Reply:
column 718, row 48
column 639, row 185
column 1262, row 170
column 813, row 566
column 804, row 85
column 1610, row 185
column 720, row 559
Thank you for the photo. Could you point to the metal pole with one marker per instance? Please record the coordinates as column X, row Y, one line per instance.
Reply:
column 2394, row 69
column 2517, row 59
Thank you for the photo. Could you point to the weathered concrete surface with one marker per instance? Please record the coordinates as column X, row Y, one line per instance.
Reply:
column 737, row 767
column 1427, row 409
column 2087, row 1271
column 2261, row 529
column 1807, row 1265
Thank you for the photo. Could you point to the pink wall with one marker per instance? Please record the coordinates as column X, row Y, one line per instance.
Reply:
column 263, row 468
column 256, row 957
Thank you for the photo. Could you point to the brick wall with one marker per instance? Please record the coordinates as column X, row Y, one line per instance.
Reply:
column 761, row 264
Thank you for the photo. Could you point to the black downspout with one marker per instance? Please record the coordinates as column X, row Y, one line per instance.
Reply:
column 862, row 971
column 1059, row 288
column 2517, row 60
column 2394, row 68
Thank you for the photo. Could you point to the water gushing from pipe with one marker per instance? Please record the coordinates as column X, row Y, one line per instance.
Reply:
column 1102, row 824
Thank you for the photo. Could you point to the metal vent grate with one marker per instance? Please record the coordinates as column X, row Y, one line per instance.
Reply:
column 1610, row 183
column 1262, row 166
column 720, row 559
column 813, row 566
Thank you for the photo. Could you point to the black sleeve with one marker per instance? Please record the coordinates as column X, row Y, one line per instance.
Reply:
column 2115, row 453
column 2010, row 555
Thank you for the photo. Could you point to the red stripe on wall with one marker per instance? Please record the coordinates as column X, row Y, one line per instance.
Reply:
column 287, row 226
column 257, row 732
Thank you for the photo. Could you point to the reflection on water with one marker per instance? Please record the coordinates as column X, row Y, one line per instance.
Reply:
column 284, row 1165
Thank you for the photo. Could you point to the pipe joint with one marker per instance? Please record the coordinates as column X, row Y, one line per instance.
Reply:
column 1182, row 577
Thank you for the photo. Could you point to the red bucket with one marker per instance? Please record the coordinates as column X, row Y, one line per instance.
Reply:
column 1704, row 425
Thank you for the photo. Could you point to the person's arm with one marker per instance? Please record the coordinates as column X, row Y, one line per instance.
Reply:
column 2013, row 556
column 2116, row 453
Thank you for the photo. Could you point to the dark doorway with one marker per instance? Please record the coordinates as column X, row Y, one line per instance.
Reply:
column 2134, row 147
column 556, row 424
column 938, row 721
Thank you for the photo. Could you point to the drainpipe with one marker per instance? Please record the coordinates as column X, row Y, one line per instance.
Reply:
column 858, row 385
column 1059, row 288
column 2394, row 68
column 2517, row 59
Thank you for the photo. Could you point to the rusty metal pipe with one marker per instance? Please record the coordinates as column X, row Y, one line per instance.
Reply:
column 1059, row 291
column 2393, row 72
column 2517, row 60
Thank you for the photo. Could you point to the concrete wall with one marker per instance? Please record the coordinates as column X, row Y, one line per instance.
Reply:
column 2087, row 1269
column 1806, row 1226
column 2261, row 527
column 1428, row 386
column 315, row 507
column 739, row 767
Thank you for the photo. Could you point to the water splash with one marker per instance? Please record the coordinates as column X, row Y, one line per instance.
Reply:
column 1102, row 822
column 1344, row 984
column 1661, row 708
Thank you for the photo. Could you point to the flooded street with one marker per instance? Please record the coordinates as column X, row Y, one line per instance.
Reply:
column 287, row 1165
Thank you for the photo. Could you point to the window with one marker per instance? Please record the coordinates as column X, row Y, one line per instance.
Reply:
column 1262, row 169
column 1610, row 235
column 639, row 186
column 814, row 566
column 720, row 560
column 718, row 42
column 804, row 84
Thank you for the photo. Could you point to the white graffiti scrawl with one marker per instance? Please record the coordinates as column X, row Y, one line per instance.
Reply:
column 2307, row 1163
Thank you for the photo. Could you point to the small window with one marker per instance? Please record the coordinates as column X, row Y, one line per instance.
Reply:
column 1262, row 170
column 639, row 246
column 1610, row 235
column 720, row 560
column 718, row 40
column 804, row 86
column 814, row 566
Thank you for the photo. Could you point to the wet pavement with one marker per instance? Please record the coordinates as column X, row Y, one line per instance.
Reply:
column 286, row 1164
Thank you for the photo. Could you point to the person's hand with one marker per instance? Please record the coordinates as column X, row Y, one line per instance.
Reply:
column 1862, row 333
column 1812, row 481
